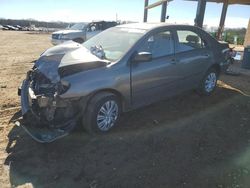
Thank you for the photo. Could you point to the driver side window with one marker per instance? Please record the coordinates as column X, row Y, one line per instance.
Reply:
column 91, row 28
column 159, row 45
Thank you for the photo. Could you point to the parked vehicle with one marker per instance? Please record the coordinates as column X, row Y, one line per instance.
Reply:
column 5, row 28
column 10, row 27
column 118, row 70
column 18, row 27
column 80, row 32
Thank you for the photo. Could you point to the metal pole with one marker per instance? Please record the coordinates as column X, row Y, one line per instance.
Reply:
column 222, row 20
column 145, row 11
column 164, row 11
column 201, row 7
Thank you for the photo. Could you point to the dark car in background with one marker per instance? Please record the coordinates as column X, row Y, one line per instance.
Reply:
column 118, row 70
column 18, row 27
column 10, row 27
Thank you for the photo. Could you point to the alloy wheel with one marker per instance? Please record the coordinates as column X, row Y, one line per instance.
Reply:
column 210, row 82
column 107, row 115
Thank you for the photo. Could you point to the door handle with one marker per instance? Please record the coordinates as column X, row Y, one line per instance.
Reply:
column 173, row 61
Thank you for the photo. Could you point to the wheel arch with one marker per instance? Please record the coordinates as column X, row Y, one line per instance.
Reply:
column 216, row 67
column 107, row 90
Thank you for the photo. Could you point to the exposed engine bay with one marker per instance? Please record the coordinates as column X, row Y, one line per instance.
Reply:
column 46, row 103
column 47, row 116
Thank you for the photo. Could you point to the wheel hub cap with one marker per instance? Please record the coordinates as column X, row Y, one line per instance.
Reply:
column 107, row 115
column 210, row 82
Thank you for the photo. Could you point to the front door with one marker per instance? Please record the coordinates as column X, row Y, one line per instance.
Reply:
column 152, row 80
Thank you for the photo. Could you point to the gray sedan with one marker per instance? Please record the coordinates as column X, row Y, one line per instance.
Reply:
column 118, row 70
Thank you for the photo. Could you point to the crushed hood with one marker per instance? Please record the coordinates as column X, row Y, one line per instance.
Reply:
column 66, row 59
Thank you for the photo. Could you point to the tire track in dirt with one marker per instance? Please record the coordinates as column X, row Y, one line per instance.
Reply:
column 9, row 111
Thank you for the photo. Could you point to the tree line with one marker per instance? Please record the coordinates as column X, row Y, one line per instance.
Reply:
column 29, row 22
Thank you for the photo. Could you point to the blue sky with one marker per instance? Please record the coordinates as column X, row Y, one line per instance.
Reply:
column 180, row 11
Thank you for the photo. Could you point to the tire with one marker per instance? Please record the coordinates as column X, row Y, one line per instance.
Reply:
column 209, row 82
column 78, row 40
column 105, row 101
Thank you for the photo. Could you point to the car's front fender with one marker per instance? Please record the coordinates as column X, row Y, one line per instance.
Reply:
column 85, row 83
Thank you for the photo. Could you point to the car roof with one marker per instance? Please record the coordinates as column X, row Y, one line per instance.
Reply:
column 147, row 26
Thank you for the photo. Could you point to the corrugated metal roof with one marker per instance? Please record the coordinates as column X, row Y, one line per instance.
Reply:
column 144, row 26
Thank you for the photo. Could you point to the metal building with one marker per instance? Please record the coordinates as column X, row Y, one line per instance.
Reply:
column 201, row 7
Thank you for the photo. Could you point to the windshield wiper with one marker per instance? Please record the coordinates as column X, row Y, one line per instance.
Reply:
column 98, row 51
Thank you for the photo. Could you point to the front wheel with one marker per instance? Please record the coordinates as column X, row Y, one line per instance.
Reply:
column 102, row 113
column 209, row 82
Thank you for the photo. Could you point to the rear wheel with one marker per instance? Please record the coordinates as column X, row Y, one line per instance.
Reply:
column 102, row 113
column 209, row 82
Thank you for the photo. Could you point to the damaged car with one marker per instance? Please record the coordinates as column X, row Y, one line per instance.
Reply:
column 118, row 70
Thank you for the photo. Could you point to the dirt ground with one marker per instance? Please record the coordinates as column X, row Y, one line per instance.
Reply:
column 185, row 141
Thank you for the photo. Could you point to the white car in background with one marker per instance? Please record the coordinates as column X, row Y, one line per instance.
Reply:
column 80, row 32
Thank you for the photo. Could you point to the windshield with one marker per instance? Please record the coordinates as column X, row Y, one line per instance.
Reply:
column 114, row 42
column 78, row 26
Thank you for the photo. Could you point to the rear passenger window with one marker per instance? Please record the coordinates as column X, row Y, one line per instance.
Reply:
column 160, row 44
column 189, row 40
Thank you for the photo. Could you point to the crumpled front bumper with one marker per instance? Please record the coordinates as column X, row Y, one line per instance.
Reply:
column 41, row 134
column 25, row 96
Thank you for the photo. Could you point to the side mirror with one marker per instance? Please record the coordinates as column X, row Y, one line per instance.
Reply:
column 142, row 57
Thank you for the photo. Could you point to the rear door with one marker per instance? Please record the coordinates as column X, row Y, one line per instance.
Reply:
column 193, row 56
column 151, row 80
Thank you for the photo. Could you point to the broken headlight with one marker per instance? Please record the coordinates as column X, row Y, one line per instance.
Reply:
column 63, row 86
